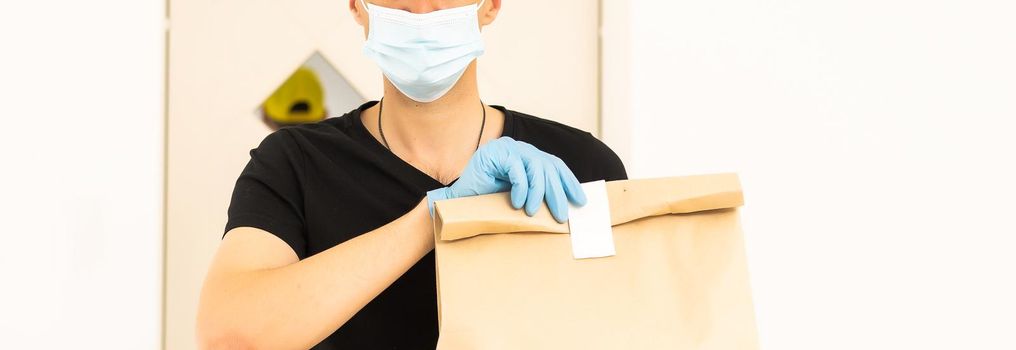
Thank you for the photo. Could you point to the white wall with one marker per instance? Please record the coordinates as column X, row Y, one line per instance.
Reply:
column 340, row 96
column 81, row 148
column 875, row 144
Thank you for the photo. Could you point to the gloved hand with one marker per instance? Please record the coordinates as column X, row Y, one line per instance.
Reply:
column 529, row 173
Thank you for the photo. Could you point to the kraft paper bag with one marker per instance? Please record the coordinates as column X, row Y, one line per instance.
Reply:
column 678, row 280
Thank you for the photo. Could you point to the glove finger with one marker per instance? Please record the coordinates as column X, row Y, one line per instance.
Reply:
column 556, row 200
column 572, row 186
column 519, row 181
column 436, row 195
column 537, row 187
column 491, row 159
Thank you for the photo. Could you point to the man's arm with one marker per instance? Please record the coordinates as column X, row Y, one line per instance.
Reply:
column 258, row 294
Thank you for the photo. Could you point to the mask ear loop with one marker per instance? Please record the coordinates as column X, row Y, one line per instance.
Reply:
column 362, row 2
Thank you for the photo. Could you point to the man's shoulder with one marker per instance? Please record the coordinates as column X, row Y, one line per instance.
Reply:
column 334, row 129
column 296, row 145
column 531, row 123
column 588, row 157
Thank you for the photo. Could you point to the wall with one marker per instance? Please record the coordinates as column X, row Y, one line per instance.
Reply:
column 340, row 97
column 81, row 186
column 874, row 141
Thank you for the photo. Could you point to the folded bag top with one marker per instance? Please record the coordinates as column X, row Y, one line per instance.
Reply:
column 488, row 214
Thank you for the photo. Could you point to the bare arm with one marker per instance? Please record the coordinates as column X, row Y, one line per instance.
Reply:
column 259, row 295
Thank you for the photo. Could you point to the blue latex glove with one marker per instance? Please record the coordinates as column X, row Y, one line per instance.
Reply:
column 531, row 174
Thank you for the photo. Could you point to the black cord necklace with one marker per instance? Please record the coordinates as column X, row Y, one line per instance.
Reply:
column 381, row 106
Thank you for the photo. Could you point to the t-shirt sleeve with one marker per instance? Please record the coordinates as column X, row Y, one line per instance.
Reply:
column 268, row 194
column 610, row 166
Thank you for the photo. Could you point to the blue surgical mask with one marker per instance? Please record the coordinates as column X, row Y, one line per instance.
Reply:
column 423, row 54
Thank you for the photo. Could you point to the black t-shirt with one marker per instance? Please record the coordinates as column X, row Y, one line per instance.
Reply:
column 318, row 185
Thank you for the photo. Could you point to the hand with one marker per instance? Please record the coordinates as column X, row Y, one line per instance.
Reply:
column 531, row 174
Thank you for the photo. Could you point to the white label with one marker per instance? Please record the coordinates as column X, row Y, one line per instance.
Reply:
column 589, row 226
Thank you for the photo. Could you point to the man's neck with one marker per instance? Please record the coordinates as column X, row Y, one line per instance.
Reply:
column 445, row 126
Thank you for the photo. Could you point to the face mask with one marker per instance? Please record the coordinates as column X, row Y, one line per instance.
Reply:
column 423, row 55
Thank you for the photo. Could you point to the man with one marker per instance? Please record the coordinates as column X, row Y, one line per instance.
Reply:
column 329, row 240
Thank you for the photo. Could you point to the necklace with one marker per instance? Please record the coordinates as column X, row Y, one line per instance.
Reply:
column 381, row 106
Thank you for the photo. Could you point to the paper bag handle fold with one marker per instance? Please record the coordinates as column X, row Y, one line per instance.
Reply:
column 629, row 200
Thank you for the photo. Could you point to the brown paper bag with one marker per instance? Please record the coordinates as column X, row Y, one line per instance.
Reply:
column 679, row 279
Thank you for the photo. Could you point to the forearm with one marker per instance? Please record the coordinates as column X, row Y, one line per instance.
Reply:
column 298, row 305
